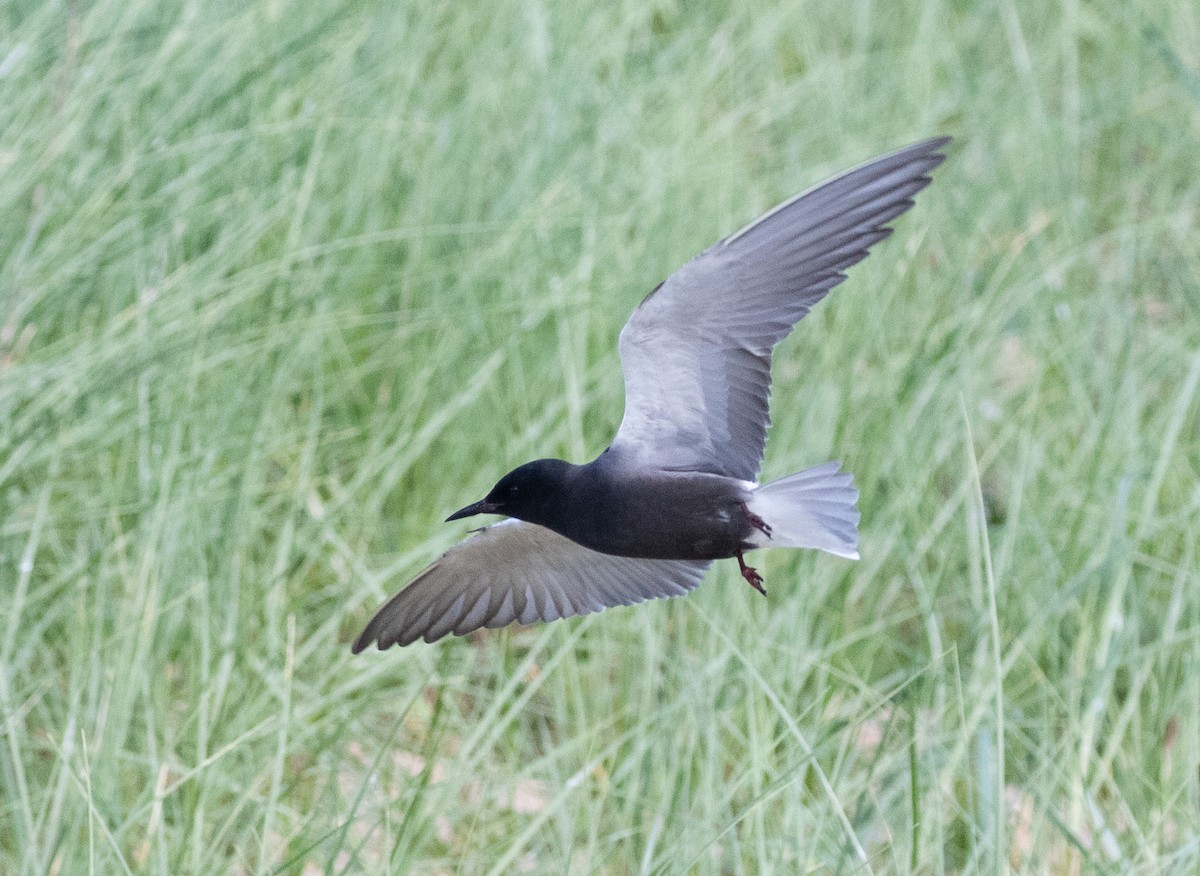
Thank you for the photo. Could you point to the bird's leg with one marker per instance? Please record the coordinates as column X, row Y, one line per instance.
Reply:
column 752, row 577
column 756, row 521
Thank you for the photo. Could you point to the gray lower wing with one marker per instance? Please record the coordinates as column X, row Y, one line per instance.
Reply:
column 516, row 572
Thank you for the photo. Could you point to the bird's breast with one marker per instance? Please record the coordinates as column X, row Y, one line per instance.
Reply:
column 671, row 516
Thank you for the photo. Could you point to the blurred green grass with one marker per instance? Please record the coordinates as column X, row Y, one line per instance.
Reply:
column 281, row 284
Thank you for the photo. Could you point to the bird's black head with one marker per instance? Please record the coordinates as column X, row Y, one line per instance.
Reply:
column 531, row 492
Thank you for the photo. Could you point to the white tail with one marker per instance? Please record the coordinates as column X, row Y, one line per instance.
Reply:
column 815, row 508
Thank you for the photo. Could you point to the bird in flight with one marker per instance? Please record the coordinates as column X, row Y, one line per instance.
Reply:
column 677, row 487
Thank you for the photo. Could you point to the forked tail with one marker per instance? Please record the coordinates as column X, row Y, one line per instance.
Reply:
column 815, row 508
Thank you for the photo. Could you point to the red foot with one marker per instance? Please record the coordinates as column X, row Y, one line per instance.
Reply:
column 757, row 522
column 752, row 577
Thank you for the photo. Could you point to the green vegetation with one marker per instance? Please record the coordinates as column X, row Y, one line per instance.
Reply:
column 283, row 283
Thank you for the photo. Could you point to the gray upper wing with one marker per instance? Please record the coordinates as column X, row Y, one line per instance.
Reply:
column 697, row 352
column 516, row 571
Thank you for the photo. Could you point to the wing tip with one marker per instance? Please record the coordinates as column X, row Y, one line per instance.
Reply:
column 369, row 635
column 934, row 151
column 931, row 146
column 918, row 159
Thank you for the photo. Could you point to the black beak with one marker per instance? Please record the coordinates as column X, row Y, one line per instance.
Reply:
column 483, row 506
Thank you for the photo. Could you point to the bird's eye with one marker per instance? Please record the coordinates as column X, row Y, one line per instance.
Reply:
column 513, row 490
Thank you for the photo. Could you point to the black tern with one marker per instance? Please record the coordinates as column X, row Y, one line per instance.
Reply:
column 677, row 487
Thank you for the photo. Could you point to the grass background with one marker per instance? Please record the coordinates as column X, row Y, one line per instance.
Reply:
column 283, row 283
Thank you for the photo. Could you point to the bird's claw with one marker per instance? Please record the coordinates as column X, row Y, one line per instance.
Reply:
column 756, row 521
column 751, row 575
